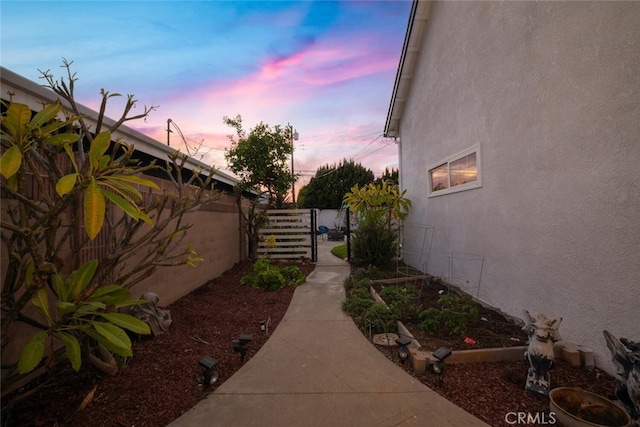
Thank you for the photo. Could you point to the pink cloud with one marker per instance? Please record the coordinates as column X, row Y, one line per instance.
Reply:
column 301, row 87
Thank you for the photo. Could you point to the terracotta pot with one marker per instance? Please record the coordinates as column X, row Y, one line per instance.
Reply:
column 574, row 407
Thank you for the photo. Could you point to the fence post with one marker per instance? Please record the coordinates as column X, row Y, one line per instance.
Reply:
column 348, row 235
column 314, row 236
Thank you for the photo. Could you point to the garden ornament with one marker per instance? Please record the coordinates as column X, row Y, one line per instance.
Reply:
column 625, row 355
column 543, row 332
column 158, row 319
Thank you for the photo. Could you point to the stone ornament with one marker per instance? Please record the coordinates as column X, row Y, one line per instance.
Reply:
column 625, row 355
column 543, row 332
column 158, row 319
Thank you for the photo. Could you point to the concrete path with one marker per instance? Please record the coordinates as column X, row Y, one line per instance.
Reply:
column 317, row 369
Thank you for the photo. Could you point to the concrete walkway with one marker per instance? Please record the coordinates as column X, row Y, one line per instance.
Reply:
column 317, row 369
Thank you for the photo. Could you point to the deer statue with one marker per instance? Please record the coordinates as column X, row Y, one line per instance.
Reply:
column 543, row 332
column 625, row 355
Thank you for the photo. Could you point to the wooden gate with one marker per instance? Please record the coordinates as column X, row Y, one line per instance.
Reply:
column 289, row 234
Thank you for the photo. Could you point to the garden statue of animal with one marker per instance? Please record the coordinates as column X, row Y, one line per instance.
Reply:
column 543, row 332
column 625, row 355
column 158, row 319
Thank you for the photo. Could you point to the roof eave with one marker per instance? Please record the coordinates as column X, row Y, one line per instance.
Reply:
column 148, row 145
column 417, row 23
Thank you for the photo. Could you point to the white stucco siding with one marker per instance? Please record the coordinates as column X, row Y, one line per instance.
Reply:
column 551, row 93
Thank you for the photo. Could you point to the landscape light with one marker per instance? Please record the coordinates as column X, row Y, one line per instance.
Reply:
column 441, row 354
column 263, row 325
column 209, row 374
column 403, row 352
column 240, row 345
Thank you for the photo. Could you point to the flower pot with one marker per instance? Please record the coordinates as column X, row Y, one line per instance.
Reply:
column 574, row 407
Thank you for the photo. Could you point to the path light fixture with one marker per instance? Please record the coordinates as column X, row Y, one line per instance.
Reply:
column 209, row 374
column 263, row 325
column 440, row 354
column 403, row 352
column 240, row 345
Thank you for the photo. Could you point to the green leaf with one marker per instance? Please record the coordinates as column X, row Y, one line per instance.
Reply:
column 65, row 308
column 54, row 126
column 115, row 336
column 123, row 189
column 72, row 349
column 101, row 340
column 136, row 180
column 47, row 113
column 72, row 157
column 145, row 218
column 89, row 307
column 111, row 295
column 99, row 146
column 28, row 273
column 66, row 184
column 128, row 322
column 59, row 287
column 10, row 162
column 130, row 302
column 41, row 300
column 16, row 120
column 32, row 353
column 79, row 279
column 103, row 163
column 123, row 204
column 62, row 139
column 94, row 210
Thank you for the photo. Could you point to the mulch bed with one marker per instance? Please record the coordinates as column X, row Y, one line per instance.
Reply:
column 492, row 391
column 161, row 381
column 488, row 329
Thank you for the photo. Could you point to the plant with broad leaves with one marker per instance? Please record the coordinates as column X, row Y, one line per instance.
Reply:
column 64, row 184
column 81, row 312
column 378, row 202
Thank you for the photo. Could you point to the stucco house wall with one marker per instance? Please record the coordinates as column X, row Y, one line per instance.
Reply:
column 550, row 93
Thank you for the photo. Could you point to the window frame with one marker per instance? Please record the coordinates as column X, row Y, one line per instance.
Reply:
column 447, row 161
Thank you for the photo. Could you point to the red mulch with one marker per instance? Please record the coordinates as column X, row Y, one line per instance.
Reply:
column 161, row 381
column 491, row 391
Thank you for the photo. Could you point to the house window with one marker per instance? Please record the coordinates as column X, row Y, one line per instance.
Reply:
column 457, row 173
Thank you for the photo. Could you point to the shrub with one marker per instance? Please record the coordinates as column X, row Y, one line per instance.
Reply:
column 356, row 307
column 380, row 318
column 293, row 275
column 402, row 299
column 273, row 278
column 373, row 244
column 454, row 314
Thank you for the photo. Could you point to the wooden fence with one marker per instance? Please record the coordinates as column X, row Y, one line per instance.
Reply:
column 289, row 234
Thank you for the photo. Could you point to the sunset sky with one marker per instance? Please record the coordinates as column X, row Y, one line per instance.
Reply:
column 325, row 67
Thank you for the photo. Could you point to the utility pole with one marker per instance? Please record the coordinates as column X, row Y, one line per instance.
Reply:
column 168, row 131
column 294, row 136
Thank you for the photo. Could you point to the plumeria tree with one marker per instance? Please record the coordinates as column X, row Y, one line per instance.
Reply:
column 376, row 207
column 61, row 175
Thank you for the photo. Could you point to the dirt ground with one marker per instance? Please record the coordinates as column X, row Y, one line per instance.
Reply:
column 492, row 391
column 161, row 381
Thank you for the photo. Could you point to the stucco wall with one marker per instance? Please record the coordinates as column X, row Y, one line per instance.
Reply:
column 215, row 235
column 550, row 91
